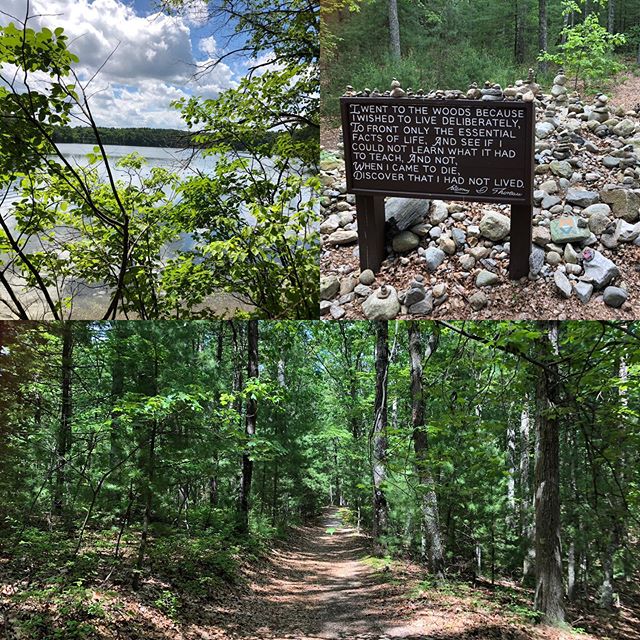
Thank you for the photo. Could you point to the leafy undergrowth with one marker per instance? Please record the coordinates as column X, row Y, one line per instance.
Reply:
column 505, row 609
column 47, row 592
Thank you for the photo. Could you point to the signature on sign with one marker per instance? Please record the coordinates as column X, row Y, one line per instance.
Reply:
column 457, row 189
column 505, row 192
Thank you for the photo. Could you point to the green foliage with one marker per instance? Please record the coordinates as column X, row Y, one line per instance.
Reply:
column 587, row 50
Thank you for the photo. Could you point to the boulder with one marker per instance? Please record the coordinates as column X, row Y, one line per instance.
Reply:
column 433, row 258
column 561, row 168
column 625, row 128
column 403, row 213
column 342, row 237
column 614, row 297
column 598, row 269
column 486, row 279
column 382, row 304
column 329, row 287
column 598, row 215
column 582, row 198
column 562, row 284
column 624, row 202
column 495, row 226
column 405, row 241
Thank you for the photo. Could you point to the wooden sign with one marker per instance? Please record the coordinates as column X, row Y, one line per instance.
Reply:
column 439, row 149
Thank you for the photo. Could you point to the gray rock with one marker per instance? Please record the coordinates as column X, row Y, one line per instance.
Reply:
column 614, row 297
column 541, row 236
column 570, row 255
column 415, row 294
column 337, row 312
column 382, row 304
column 433, row 258
column 486, row 279
column 598, row 215
column 447, row 245
column 553, row 258
column 494, row 225
column 405, row 241
column 584, row 291
column 549, row 186
column 550, row 201
column 362, row 290
column 459, row 237
column 467, row 262
column 367, row 277
column 329, row 287
column 347, row 285
column 627, row 232
column 439, row 212
column 562, row 284
column 598, row 269
column 403, row 213
column 624, row 202
column 342, row 237
column 422, row 308
column 536, row 260
column 325, row 305
column 331, row 224
column 561, row 168
column 478, row 300
column 610, row 162
column 625, row 128
column 582, row 198
column 544, row 130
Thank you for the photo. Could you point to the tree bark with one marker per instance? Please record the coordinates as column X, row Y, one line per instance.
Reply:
column 250, row 429
column 549, row 594
column 429, row 500
column 543, row 31
column 394, row 30
column 63, row 441
column 521, row 20
column 379, row 458
column 611, row 17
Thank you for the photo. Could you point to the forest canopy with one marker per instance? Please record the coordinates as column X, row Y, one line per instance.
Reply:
column 488, row 453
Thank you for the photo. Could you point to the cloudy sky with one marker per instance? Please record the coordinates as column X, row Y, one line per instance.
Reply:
column 155, row 60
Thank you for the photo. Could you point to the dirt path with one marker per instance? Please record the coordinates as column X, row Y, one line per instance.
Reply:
column 318, row 587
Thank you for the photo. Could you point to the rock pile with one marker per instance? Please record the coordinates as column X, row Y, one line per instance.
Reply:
column 587, row 209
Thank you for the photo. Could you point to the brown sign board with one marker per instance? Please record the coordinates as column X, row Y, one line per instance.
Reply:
column 472, row 150
column 439, row 149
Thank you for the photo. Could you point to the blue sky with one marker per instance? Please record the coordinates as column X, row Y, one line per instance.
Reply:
column 153, row 56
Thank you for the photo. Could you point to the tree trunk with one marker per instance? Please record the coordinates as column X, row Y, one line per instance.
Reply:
column 379, row 459
column 549, row 588
column 543, row 32
column 527, row 526
column 429, row 500
column 611, row 17
column 117, row 391
column 394, row 30
column 250, row 429
column 521, row 20
column 63, row 440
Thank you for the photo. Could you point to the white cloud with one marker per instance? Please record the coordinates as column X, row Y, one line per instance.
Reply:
column 208, row 45
column 149, row 60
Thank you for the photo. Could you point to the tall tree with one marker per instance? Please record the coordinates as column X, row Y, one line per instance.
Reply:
column 394, row 30
column 250, row 426
column 428, row 497
column 63, row 440
column 549, row 594
column 379, row 433
column 543, row 31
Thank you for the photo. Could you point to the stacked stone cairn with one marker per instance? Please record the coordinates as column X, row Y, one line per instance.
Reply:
column 586, row 210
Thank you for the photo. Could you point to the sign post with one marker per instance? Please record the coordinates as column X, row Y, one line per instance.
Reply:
column 471, row 150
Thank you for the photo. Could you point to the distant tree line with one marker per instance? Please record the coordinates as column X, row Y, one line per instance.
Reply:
column 130, row 136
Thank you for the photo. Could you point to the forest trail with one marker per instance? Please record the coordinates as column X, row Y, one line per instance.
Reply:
column 323, row 584
column 626, row 91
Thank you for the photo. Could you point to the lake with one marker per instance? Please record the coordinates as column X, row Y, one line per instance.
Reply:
column 90, row 302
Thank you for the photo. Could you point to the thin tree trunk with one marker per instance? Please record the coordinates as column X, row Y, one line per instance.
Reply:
column 63, row 443
column 394, row 30
column 250, row 429
column 611, row 17
column 549, row 588
column 543, row 32
column 527, row 526
column 379, row 460
column 429, row 500
column 521, row 20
